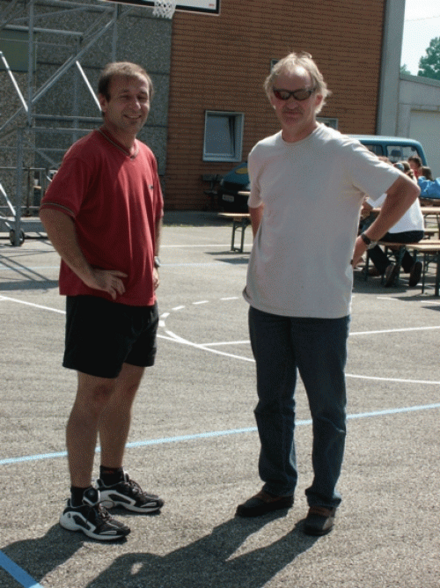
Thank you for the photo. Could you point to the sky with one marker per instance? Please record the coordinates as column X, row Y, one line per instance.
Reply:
column 422, row 23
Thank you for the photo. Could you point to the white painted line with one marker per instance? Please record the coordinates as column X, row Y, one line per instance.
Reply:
column 244, row 342
column 178, row 339
column 405, row 330
column 32, row 304
column 399, row 380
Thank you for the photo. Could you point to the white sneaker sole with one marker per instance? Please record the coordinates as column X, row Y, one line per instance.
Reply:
column 67, row 521
column 109, row 503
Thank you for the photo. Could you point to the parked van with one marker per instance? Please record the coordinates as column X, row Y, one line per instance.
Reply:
column 237, row 180
column 395, row 148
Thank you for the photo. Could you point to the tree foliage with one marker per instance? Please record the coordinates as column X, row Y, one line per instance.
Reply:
column 429, row 65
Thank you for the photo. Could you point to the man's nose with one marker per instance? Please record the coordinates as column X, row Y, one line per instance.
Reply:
column 291, row 99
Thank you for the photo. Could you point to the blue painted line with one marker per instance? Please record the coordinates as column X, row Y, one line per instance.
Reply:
column 26, row 581
column 210, row 434
column 365, row 415
column 17, row 573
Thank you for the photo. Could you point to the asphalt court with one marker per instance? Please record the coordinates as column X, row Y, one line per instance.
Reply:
column 193, row 438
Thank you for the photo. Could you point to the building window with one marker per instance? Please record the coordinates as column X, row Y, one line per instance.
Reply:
column 223, row 136
column 329, row 122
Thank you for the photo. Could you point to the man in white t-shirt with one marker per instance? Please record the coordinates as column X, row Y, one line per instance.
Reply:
column 307, row 186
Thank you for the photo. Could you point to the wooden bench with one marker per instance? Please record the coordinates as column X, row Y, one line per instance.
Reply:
column 240, row 220
column 396, row 248
column 430, row 248
column 431, row 231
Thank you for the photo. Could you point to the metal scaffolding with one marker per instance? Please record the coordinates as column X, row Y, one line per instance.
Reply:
column 49, row 19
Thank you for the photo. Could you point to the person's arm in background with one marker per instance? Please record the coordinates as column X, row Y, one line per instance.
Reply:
column 400, row 196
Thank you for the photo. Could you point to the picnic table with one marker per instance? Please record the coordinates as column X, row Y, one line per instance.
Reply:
column 240, row 220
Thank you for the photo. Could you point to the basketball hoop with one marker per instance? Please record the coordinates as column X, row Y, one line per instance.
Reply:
column 164, row 8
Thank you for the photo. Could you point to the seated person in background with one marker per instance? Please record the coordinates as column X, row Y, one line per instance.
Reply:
column 425, row 172
column 409, row 229
column 405, row 167
column 416, row 164
column 430, row 187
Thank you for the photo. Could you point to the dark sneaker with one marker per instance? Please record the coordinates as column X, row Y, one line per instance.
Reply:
column 319, row 520
column 129, row 495
column 262, row 503
column 92, row 519
column 391, row 275
column 415, row 273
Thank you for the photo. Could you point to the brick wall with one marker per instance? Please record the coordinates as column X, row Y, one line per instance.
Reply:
column 220, row 63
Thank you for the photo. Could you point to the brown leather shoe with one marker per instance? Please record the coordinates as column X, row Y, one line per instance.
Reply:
column 319, row 520
column 262, row 503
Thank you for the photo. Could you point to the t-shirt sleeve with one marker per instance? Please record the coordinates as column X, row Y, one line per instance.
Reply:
column 369, row 174
column 68, row 187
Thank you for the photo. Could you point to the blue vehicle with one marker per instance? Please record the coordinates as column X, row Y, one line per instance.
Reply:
column 237, row 180
column 231, row 184
column 395, row 148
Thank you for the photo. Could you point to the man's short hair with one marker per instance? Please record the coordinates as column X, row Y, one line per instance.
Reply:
column 289, row 64
column 121, row 69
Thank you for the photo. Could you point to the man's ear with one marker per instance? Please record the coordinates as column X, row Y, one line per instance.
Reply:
column 319, row 98
column 102, row 102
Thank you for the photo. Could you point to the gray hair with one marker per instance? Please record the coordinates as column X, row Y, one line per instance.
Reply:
column 289, row 64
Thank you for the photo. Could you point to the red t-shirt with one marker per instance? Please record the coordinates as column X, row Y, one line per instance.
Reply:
column 115, row 201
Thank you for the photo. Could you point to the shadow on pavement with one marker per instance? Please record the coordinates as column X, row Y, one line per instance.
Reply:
column 40, row 556
column 23, row 277
column 210, row 561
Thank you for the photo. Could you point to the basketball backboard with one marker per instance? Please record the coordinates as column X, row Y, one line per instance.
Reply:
column 207, row 6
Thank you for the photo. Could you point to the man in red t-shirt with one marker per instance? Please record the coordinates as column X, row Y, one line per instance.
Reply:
column 103, row 213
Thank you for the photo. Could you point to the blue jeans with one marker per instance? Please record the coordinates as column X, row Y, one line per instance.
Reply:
column 317, row 348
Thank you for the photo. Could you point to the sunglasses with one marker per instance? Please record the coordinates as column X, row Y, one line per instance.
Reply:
column 300, row 95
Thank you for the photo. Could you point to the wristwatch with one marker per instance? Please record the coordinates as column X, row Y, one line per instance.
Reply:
column 368, row 242
column 156, row 262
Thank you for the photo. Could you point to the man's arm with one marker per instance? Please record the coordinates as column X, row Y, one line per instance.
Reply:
column 400, row 196
column 61, row 231
column 256, row 217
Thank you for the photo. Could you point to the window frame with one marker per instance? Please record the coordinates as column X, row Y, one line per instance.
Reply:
column 235, row 136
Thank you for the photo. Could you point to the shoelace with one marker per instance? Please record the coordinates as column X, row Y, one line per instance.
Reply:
column 134, row 486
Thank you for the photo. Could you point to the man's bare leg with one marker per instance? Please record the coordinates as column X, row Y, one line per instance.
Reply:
column 82, row 428
column 114, row 424
column 115, row 486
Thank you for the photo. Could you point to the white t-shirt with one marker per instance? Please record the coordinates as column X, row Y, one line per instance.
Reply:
column 412, row 220
column 312, row 192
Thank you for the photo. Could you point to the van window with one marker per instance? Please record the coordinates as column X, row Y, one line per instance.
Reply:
column 400, row 152
column 377, row 149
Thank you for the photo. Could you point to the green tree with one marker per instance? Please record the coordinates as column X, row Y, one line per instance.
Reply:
column 429, row 65
column 404, row 69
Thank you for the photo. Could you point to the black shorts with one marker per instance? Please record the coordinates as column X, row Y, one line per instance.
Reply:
column 102, row 335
